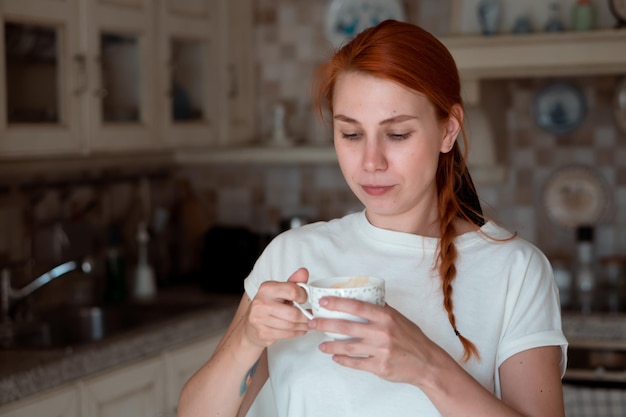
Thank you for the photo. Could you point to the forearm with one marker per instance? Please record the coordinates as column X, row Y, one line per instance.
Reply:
column 218, row 388
column 530, row 384
column 456, row 393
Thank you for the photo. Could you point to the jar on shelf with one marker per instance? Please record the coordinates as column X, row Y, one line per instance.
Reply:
column 583, row 15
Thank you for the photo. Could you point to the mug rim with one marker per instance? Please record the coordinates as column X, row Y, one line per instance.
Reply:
column 374, row 282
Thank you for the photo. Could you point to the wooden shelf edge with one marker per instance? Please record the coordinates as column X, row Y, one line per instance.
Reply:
column 539, row 54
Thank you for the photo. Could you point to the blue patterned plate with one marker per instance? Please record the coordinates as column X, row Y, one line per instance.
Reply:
column 347, row 18
column 559, row 108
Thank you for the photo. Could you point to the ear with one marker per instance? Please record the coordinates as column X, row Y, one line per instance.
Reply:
column 452, row 127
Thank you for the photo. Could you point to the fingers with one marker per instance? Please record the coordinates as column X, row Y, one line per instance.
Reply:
column 271, row 315
column 362, row 309
column 301, row 275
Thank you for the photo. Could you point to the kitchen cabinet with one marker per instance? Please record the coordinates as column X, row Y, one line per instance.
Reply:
column 135, row 390
column 188, row 70
column 145, row 388
column 63, row 402
column 120, row 57
column 100, row 76
column 41, row 78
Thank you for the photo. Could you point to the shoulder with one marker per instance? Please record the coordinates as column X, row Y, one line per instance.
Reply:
column 503, row 250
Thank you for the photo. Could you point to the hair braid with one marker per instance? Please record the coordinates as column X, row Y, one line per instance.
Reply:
column 449, row 209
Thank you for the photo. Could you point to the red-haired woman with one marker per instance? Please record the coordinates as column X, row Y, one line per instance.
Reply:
column 472, row 321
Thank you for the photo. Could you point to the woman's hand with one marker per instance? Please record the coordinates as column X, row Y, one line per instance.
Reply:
column 389, row 345
column 271, row 316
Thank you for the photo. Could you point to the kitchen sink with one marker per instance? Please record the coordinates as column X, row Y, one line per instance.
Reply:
column 79, row 325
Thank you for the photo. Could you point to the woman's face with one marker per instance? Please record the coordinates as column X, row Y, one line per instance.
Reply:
column 388, row 141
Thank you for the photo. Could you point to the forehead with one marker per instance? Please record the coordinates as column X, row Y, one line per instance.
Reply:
column 357, row 90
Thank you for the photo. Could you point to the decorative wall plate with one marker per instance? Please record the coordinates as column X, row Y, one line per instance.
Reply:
column 575, row 195
column 347, row 18
column 559, row 108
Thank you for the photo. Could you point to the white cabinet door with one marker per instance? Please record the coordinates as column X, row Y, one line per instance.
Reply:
column 132, row 391
column 188, row 64
column 58, row 403
column 182, row 363
column 42, row 78
column 121, row 50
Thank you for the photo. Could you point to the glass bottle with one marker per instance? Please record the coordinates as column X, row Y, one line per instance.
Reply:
column 585, row 276
column 115, row 265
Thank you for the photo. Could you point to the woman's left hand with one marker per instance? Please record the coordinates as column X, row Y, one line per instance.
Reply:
column 388, row 345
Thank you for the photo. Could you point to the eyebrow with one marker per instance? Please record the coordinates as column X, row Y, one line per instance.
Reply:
column 395, row 119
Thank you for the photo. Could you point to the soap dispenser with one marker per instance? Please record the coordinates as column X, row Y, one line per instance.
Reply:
column 144, row 286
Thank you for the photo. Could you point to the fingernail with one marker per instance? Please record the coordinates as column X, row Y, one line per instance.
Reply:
column 323, row 301
column 312, row 324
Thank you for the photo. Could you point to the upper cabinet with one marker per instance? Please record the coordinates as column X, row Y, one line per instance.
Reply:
column 188, row 71
column 102, row 76
column 42, row 78
column 119, row 50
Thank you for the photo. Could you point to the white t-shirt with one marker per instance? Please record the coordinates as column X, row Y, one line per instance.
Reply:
column 505, row 302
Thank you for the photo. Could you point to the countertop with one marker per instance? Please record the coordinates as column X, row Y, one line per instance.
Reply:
column 24, row 372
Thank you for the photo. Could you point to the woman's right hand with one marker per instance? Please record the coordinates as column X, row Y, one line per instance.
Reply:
column 271, row 315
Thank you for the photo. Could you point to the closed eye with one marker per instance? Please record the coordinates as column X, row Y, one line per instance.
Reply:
column 351, row 136
column 399, row 136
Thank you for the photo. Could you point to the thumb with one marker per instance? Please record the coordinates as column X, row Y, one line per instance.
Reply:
column 301, row 275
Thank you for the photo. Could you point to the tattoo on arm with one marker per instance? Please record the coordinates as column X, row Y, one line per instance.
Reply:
column 248, row 379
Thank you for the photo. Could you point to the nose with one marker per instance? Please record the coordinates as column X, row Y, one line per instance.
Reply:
column 374, row 158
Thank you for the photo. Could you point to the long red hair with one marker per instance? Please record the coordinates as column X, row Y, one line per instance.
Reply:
column 412, row 57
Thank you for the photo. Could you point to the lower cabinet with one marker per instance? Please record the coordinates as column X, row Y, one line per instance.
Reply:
column 135, row 390
column 146, row 388
column 63, row 402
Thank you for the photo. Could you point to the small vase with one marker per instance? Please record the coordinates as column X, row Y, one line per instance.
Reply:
column 489, row 16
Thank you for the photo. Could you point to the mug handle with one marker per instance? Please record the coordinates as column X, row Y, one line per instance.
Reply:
column 296, row 304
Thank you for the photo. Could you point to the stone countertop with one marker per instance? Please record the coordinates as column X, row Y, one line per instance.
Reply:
column 24, row 372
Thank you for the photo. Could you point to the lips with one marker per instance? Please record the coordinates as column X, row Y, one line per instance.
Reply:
column 376, row 190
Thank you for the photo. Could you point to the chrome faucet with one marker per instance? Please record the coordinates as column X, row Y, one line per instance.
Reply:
column 8, row 293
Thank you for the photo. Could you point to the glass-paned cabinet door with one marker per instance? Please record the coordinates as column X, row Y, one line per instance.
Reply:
column 121, row 45
column 188, row 72
column 42, row 77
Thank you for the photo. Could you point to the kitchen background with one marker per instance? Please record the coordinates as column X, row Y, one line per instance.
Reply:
column 92, row 183
column 44, row 215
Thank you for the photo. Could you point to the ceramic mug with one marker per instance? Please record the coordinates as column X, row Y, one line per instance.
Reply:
column 364, row 288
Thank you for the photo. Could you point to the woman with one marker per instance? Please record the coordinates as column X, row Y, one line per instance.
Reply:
column 472, row 322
